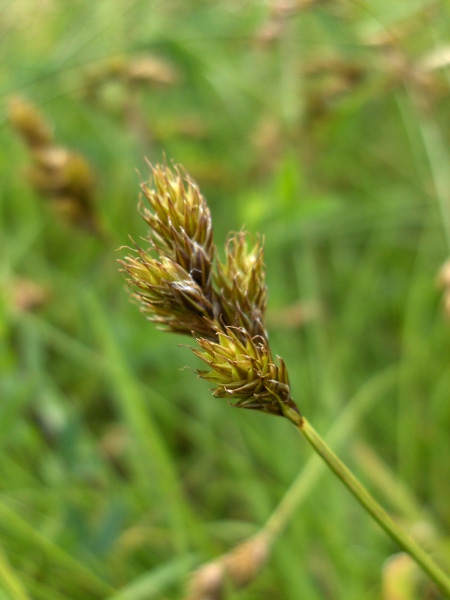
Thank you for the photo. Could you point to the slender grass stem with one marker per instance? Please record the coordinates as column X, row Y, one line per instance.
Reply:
column 314, row 468
column 424, row 561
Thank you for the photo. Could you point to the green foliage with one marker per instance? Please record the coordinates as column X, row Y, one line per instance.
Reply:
column 324, row 128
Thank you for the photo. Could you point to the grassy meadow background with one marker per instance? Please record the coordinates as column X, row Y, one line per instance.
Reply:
column 325, row 126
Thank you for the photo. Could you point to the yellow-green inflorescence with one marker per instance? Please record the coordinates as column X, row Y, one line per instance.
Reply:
column 242, row 368
column 183, row 287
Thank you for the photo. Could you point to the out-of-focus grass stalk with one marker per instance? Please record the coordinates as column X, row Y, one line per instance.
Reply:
column 56, row 556
column 438, row 158
column 9, row 582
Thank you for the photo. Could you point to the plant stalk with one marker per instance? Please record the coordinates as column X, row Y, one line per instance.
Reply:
column 424, row 561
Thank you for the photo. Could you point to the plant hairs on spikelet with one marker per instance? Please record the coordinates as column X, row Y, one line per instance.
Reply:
column 182, row 286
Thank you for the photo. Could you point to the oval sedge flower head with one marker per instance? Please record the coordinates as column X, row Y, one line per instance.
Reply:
column 175, row 284
column 241, row 284
column 168, row 294
column 180, row 223
column 242, row 368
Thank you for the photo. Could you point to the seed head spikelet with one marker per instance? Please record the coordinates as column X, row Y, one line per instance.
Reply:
column 244, row 371
column 180, row 223
column 241, row 283
column 183, row 288
column 172, row 278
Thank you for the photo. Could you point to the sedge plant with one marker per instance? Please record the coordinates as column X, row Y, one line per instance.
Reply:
column 182, row 285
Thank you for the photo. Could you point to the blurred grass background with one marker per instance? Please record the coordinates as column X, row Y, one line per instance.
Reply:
column 322, row 125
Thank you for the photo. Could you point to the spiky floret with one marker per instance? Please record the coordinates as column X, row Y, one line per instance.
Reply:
column 168, row 294
column 240, row 281
column 243, row 370
column 172, row 278
column 180, row 223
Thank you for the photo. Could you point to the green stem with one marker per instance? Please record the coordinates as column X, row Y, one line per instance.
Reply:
column 368, row 502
